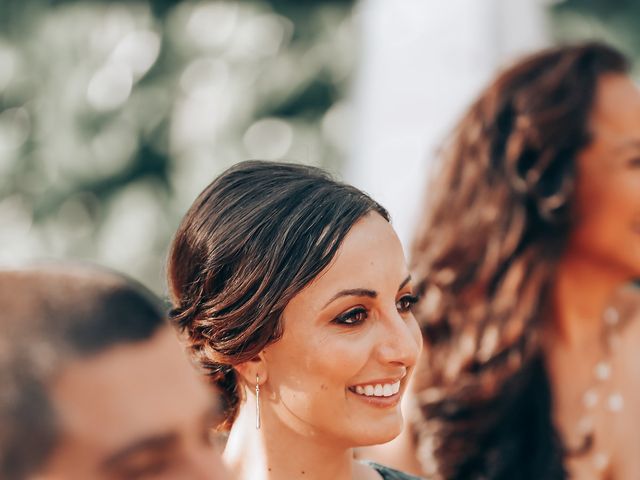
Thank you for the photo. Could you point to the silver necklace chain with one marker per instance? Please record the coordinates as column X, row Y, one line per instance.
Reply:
column 600, row 394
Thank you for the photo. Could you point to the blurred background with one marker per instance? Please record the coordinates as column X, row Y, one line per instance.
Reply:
column 114, row 115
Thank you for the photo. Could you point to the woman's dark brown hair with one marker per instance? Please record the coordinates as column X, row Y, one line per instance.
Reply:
column 495, row 225
column 251, row 241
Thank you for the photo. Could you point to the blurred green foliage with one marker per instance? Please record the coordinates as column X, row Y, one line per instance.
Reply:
column 114, row 115
column 614, row 21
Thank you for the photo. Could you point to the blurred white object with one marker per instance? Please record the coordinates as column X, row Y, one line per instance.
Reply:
column 422, row 63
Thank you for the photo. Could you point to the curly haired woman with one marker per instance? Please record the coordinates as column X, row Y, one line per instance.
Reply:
column 524, row 261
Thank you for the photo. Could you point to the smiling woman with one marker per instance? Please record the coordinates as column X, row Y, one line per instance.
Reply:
column 294, row 296
column 533, row 331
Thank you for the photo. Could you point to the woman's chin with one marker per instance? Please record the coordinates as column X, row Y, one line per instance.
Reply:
column 381, row 432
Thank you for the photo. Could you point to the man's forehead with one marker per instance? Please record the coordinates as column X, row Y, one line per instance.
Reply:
column 129, row 392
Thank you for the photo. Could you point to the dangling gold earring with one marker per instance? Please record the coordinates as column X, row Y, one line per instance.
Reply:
column 257, row 402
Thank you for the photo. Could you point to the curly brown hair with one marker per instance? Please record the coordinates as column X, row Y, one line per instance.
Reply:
column 255, row 237
column 495, row 224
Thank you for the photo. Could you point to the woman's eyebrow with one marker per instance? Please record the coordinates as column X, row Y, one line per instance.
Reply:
column 362, row 292
column 353, row 292
column 404, row 282
column 628, row 144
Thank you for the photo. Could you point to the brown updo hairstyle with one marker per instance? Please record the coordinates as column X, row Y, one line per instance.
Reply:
column 255, row 237
column 495, row 223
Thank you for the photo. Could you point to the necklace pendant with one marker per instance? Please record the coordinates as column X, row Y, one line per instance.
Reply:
column 615, row 402
column 602, row 370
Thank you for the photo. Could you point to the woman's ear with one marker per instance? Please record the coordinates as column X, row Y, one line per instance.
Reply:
column 253, row 371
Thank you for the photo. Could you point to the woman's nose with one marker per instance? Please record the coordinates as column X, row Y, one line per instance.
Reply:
column 400, row 341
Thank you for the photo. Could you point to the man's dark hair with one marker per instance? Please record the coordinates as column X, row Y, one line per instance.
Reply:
column 50, row 315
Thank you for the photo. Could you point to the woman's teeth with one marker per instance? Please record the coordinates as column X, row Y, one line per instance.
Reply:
column 377, row 390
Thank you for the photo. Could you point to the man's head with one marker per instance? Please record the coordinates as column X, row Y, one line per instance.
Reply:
column 93, row 383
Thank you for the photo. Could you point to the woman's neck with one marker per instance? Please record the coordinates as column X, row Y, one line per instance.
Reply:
column 276, row 452
column 582, row 289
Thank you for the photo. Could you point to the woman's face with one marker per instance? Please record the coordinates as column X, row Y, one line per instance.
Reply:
column 349, row 345
column 608, row 182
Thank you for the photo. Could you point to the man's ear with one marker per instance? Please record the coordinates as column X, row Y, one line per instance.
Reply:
column 253, row 371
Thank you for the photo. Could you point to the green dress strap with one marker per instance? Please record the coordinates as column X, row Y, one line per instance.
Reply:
column 390, row 474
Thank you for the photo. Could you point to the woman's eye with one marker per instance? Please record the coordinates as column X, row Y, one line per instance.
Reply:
column 354, row 316
column 634, row 162
column 406, row 302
